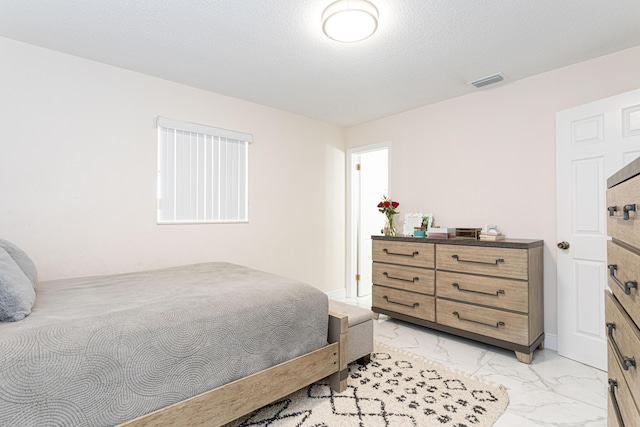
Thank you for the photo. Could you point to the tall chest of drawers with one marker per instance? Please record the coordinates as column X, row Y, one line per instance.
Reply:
column 622, row 302
column 487, row 291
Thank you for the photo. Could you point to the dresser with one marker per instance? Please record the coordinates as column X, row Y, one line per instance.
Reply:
column 488, row 291
column 622, row 301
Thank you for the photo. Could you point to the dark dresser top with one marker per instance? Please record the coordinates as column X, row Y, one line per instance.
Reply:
column 506, row 243
column 627, row 172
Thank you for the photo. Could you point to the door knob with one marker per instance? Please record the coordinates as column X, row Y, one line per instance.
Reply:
column 563, row 245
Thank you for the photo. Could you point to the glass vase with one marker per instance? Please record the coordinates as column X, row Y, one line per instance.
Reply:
column 389, row 227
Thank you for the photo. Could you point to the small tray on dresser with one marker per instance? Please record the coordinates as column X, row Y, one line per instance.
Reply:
column 468, row 233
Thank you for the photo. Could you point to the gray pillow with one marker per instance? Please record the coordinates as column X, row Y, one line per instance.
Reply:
column 22, row 259
column 17, row 295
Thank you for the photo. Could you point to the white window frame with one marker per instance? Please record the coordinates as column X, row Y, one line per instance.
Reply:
column 202, row 173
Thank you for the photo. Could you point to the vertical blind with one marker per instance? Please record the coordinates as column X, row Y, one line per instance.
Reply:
column 202, row 173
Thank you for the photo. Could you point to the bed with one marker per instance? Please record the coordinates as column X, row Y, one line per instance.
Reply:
column 192, row 345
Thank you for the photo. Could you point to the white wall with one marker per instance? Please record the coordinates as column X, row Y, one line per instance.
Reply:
column 489, row 157
column 78, row 161
column 78, row 174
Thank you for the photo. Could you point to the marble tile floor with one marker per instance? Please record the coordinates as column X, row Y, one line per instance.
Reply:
column 551, row 391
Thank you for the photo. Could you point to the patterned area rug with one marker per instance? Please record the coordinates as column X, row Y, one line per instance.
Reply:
column 396, row 389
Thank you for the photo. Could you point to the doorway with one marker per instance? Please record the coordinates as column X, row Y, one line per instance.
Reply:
column 593, row 141
column 367, row 181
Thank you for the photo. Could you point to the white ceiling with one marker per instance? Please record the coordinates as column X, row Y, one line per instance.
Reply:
column 273, row 52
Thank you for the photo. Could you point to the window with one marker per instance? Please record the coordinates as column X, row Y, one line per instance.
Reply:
column 202, row 173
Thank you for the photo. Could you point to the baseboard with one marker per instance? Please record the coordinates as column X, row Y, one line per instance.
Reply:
column 551, row 342
column 339, row 295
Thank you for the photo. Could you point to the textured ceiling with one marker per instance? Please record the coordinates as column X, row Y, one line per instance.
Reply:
column 273, row 52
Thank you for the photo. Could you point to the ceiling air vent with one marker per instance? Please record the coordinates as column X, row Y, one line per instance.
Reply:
column 488, row 80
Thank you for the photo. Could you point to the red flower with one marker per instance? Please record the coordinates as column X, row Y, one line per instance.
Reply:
column 388, row 206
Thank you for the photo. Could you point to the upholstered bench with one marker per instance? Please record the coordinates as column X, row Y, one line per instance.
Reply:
column 360, row 336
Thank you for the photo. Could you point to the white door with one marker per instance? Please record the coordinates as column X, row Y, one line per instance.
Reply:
column 593, row 141
column 370, row 181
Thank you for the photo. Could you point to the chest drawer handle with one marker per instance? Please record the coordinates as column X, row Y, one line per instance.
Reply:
column 496, row 262
column 414, row 280
column 626, row 362
column 631, row 207
column 414, row 305
column 613, row 384
column 627, row 286
column 497, row 325
column 386, row 251
column 493, row 294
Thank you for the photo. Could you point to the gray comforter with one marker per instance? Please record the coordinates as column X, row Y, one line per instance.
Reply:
column 98, row 351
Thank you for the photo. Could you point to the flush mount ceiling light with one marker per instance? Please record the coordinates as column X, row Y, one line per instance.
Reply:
column 350, row 20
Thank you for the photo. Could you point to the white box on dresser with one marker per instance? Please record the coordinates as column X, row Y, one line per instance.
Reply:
column 489, row 291
column 622, row 302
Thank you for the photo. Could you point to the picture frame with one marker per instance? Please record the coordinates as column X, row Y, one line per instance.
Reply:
column 429, row 219
column 412, row 220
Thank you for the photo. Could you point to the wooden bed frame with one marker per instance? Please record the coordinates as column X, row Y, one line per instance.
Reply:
column 228, row 402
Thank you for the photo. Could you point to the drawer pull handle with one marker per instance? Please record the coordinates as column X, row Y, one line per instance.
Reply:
column 631, row 207
column 494, row 294
column 625, row 361
column 497, row 325
column 613, row 384
column 414, row 280
column 627, row 286
column 386, row 251
column 414, row 305
column 496, row 262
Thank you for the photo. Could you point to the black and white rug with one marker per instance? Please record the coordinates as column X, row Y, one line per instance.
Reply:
column 396, row 389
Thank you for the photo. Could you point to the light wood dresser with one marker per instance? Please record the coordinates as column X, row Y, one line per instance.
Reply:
column 622, row 302
column 488, row 291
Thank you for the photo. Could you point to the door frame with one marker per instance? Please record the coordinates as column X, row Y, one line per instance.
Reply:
column 352, row 211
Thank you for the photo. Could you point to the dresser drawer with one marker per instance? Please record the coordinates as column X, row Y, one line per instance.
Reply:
column 404, row 253
column 623, row 334
column 412, row 279
column 491, row 291
column 627, row 270
column 494, row 323
column 620, row 399
column 403, row 302
column 503, row 262
column 626, row 193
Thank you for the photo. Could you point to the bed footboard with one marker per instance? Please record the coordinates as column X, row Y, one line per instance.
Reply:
column 231, row 401
column 338, row 332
